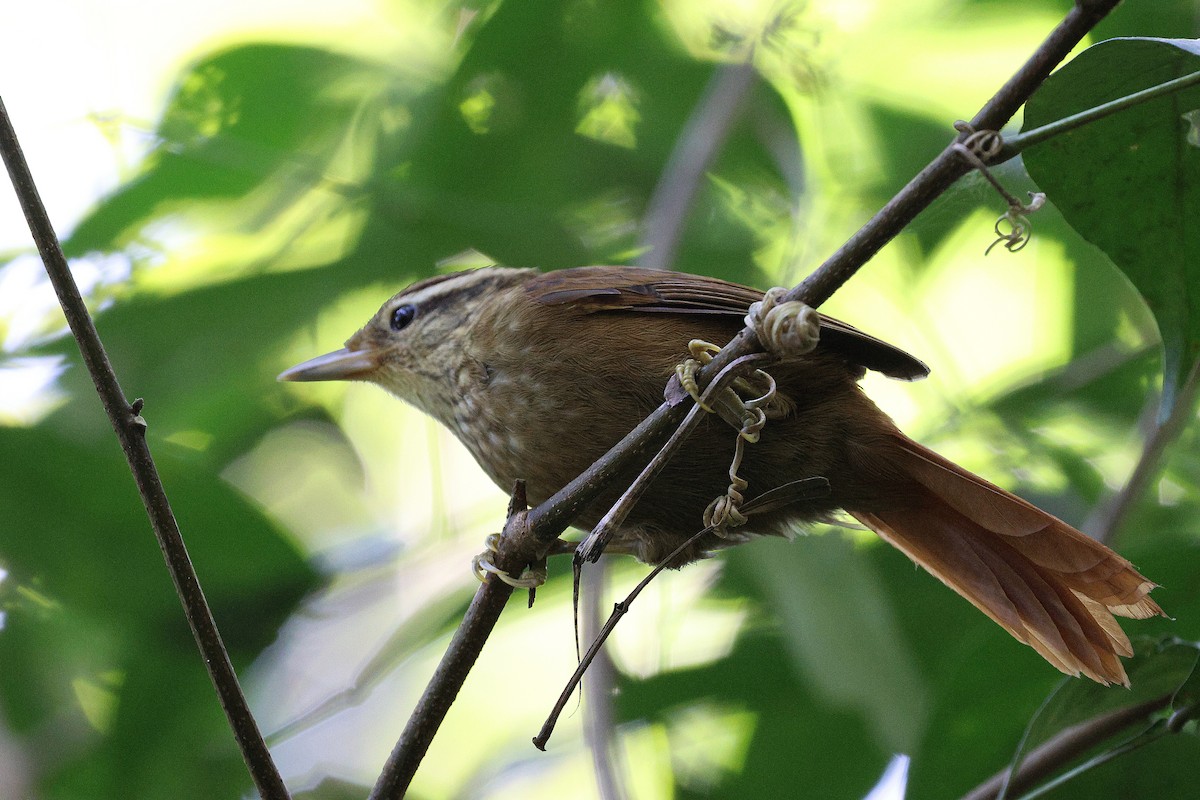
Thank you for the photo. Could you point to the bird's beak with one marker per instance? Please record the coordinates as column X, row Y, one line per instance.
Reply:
column 340, row 365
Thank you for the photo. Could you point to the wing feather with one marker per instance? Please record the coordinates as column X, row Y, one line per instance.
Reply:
column 602, row 289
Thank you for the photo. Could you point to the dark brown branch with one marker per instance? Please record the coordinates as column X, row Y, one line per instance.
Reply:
column 1065, row 747
column 131, row 432
column 443, row 687
column 459, row 657
column 549, row 519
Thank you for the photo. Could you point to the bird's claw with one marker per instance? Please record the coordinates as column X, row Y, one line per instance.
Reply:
column 482, row 566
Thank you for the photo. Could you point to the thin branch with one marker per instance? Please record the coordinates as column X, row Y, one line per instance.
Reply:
column 1013, row 145
column 1148, row 736
column 592, row 547
column 456, row 663
column 543, row 524
column 1107, row 520
column 443, row 687
column 619, row 610
column 131, row 432
column 1066, row 746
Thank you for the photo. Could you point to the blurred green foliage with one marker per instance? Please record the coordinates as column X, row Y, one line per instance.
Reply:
column 292, row 188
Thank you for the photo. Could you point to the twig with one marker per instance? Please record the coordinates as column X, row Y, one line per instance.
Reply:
column 443, row 687
column 1107, row 520
column 131, row 432
column 592, row 547
column 545, row 522
column 1152, row 734
column 1067, row 746
column 1013, row 145
column 619, row 610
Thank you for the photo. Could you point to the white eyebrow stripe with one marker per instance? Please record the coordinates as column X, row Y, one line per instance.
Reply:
column 461, row 285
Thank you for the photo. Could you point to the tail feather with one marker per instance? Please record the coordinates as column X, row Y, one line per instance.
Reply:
column 1044, row 582
column 1112, row 628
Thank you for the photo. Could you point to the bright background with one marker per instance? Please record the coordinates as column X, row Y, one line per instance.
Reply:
column 233, row 208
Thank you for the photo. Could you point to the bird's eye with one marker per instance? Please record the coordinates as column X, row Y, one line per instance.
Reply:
column 402, row 316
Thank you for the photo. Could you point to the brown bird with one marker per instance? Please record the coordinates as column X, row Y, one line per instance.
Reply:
column 540, row 374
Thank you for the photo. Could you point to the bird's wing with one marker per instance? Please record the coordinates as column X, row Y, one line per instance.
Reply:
column 600, row 289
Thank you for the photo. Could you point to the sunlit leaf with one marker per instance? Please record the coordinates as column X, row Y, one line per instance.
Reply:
column 1130, row 183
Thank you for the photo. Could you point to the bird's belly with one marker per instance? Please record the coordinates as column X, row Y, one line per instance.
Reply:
column 517, row 432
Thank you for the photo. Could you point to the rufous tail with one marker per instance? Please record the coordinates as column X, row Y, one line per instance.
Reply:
column 1044, row 582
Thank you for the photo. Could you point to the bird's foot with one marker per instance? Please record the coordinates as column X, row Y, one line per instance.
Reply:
column 482, row 566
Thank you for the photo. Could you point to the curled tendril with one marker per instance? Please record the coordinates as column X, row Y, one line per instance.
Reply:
column 1018, row 226
column 1013, row 228
column 725, row 511
column 985, row 144
column 785, row 328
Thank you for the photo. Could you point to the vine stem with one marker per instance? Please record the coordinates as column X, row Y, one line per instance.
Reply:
column 1066, row 746
column 1013, row 145
column 130, row 428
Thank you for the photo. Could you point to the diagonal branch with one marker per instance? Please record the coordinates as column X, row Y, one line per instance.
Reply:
column 1014, row 145
column 525, row 543
column 1066, row 747
column 131, row 431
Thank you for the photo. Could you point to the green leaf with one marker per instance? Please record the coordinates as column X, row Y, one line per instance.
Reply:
column 236, row 119
column 108, row 562
column 1130, row 183
column 798, row 738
